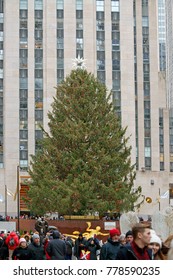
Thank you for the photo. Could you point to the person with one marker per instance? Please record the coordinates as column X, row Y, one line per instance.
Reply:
column 27, row 238
column 92, row 245
column 156, row 245
column 122, row 239
column 80, row 243
column 46, row 240
column 170, row 252
column 129, row 236
column 21, row 252
column 4, row 252
column 56, row 247
column 110, row 248
column 12, row 241
column 36, row 248
column 138, row 248
column 69, row 247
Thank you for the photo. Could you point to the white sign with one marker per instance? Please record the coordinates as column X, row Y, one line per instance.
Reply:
column 109, row 225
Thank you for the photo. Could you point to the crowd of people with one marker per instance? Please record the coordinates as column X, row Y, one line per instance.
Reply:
column 139, row 243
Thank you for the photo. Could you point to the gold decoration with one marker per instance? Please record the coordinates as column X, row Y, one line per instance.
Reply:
column 89, row 232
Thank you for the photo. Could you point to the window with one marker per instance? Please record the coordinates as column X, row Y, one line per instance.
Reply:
column 60, row 14
column 79, row 4
column 115, row 6
column 23, row 83
column 23, row 35
column 23, row 73
column 60, row 4
column 23, row 134
column 38, row 83
column 60, row 33
column 38, row 96
column 38, row 4
column 38, row 115
column 23, row 4
column 38, row 73
column 23, row 114
column 24, row 14
column 100, row 5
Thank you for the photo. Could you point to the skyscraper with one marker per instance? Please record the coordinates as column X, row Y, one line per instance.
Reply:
column 123, row 47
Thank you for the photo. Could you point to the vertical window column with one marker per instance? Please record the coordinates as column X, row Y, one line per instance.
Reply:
column 23, row 85
column 79, row 28
column 1, row 79
column 38, row 72
column 116, row 71
column 60, row 40
column 146, row 84
column 100, row 37
column 161, row 139
column 136, row 85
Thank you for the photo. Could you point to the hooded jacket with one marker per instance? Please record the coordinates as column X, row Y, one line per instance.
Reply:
column 109, row 250
column 16, row 240
column 56, row 247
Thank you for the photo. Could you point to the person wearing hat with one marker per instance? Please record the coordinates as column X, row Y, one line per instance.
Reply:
column 21, row 252
column 56, row 247
column 36, row 248
column 79, row 245
column 129, row 236
column 110, row 249
column 156, row 245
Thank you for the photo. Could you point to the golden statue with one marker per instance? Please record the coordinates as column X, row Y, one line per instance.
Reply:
column 89, row 232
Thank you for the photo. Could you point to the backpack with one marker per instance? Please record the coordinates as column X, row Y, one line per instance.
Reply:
column 11, row 241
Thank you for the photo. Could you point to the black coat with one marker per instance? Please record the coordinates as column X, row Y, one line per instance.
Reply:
column 79, row 245
column 126, row 253
column 37, row 251
column 109, row 250
column 56, row 249
column 21, row 254
column 93, row 248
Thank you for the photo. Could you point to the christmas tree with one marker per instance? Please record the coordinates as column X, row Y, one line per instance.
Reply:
column 84, row 163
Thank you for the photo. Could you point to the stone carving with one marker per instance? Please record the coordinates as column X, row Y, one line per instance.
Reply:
column 162, row 222
column 127, row 220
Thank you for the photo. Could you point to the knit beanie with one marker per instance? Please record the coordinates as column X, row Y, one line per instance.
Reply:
column 35, row 236
column 156, row 239
column 113, row 232
column 22, row 240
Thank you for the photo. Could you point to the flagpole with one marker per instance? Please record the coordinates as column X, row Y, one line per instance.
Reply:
column 5, row 201
column 159, row 199
column 18, row 200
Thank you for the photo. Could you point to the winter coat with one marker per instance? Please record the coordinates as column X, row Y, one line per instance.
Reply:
column 126, row 253
column 93, row 248
column 16, row 240
column 21, row 254
column 78, row 247
column 56, row 249
column 37, row 251
column 4, row 252
column 109, row 250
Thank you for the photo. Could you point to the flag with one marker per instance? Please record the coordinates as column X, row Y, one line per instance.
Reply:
column 1, row 198
column 10, row 193
column 165, row 194
column 16, row 194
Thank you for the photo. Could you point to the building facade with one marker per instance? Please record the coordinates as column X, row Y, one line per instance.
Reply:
column 123, row 46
